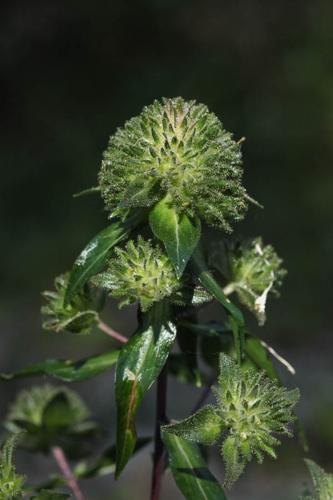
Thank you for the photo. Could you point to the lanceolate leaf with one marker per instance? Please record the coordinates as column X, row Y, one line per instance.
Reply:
column 204, row 427
column 68, row 371
column 190, row 471
column 139, row 364
column 208, row 281
column 179, row 233
column 93, row 257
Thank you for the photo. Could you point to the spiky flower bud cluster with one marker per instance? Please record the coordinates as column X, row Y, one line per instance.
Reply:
column 255, row 271
column 139, row 273
column 179, row 149
column 79, row 316
column 322, row 481
column 254, row 409
column 251, row 410
column 11, row 483
column 48, row 414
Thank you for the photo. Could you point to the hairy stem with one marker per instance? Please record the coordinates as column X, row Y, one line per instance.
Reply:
column 64, row 466
column 112, row 333
column 159, row 452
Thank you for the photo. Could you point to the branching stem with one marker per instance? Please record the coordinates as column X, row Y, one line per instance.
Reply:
column 64, row 466
column 112, row 333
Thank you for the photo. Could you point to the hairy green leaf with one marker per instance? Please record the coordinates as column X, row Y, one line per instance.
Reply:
column 93, row 257
column 178, row 232
column 68, row 371
column 205, row 426
column 139, row 364
column 190, row 471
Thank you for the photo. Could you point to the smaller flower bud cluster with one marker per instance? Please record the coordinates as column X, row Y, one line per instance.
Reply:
column 255, row 271
column 79, row 316
column 254, row 409
column 49, row 414
column 139, row 273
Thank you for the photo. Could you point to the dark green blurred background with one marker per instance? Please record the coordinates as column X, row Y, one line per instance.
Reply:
column 71, row 72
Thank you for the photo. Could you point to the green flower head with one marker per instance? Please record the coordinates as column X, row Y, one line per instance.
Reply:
column 251, row 410
column 254, row 409
column 79, row 316
column 255, row 271
column 139, row 272
column 177, row 149
column 50, row 415
column 11, row 484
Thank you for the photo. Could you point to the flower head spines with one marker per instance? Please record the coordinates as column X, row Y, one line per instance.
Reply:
column 79, row 316
column 254, row 409
column 255, row 271
column 139, row 272
column 178, row 148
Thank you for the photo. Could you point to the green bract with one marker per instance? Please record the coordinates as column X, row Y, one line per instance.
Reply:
column 255, row 271
column 179, row 149
column 11, row 484
column 139, row 272
column 79, row 316
column 50, row 415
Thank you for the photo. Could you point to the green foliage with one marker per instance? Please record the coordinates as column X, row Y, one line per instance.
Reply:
column 177, row 148
column 78, row 316
column 255, row 271
column 11, row 483
column 66, row 370
column 205, row 426
column 139, row 364
column 190, row 471
column 322, row 481
column 93, row 257
column 50, row 495
column 139, row 272
column 50, row 415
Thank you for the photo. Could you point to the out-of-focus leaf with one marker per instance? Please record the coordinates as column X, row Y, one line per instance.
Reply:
column 204, row 427
column 190, row 471
column 139, row 364
column 179, row 234
column 93, row 257
column 179, row 368
column 68, row 371
column 106, row 463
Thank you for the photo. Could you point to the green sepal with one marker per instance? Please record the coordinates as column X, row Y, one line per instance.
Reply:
column 66, row 370
column 179, row 233
column 204, row 427
column 190, row 471
column 93, row 257
column 139, row 364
